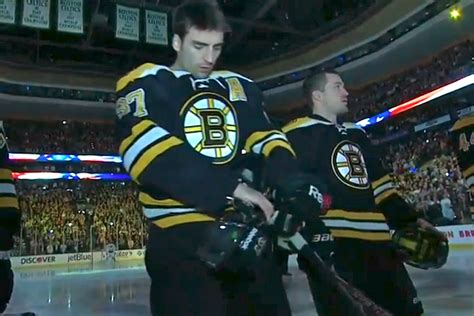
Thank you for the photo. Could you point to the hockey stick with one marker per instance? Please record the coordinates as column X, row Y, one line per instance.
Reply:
column 357, row 303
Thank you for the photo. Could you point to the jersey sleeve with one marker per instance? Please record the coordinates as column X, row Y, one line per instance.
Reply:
column 10, row 215
column 158, row 159
column 397, row 211
column 271, row 143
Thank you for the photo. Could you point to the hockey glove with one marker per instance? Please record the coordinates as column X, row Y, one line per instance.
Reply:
column 300, row 198
column 237, row 241
column 319, row 239
column 421, row 245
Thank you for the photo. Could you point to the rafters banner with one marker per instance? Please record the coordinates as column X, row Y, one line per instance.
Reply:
column 71, row 16
column 7, row 11
column 127, row 23
column 36, row 13
column 156, row 27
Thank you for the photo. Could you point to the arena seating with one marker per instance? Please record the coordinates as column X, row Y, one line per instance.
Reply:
column 63, row 216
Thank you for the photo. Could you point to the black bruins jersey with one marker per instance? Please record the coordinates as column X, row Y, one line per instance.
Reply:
column 365, row 200
column 463, row 137
column 182, row 139
column 10, row 216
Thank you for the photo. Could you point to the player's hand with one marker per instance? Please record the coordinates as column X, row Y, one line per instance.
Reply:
column 302, row 195
column 422, row 223
column 252, row 197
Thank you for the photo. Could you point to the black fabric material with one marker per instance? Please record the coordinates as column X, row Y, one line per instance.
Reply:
column 183, row 285
column 6, row 284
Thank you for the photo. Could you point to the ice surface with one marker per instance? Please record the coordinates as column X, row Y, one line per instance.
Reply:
column 123, row 289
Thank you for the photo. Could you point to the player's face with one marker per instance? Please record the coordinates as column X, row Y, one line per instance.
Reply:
column 335, row 95
column 198, row 51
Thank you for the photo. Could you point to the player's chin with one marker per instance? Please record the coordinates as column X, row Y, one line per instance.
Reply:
column 343, row 109
column 203, row 73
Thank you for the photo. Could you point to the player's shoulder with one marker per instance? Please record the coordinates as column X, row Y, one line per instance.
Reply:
column 226, row 74
column 145, row 71
column 304, row 122
column 463, row 123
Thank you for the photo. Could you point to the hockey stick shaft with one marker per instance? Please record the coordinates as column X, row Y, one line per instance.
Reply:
column 358, row 303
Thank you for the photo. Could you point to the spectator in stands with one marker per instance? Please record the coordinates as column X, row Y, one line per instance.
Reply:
column 447, row 208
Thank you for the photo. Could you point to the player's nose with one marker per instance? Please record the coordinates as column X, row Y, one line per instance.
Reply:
column 209, row 56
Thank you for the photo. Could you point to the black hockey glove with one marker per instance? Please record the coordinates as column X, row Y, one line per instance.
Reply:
column 421, row 245
column 319, row 239
column 299, row 198
column 237, row 241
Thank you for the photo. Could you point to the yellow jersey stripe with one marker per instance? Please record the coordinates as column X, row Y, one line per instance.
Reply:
column 382, row 196
column 149, row 155
column 468, row 172
column 133, row 75
column 182, row 219
column 6, row 174
column 379, row 182
column 268, row 147
column 295, row 124
column 255, row 138
column 148, row 200
column 137, row 130
column 371, row 236
column 361, row 216
column 11, row 202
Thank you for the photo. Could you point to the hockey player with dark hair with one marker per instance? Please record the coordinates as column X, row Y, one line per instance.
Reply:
column 184, row 130
column 463, row 139
column 10, row 219
column 365, row 207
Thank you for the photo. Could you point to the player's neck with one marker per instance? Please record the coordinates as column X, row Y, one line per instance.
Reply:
column 331, row 117
column 176, row 66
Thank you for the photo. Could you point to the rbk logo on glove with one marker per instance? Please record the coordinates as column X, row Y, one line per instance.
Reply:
column 323, row 199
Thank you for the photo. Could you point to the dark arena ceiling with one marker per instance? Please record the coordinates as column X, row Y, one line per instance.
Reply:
column 263, row 30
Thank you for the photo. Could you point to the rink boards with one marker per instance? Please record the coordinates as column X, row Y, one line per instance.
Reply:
column 459, row 236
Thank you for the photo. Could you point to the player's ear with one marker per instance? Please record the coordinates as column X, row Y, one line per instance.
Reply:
column 316, row 95
column 177, row 42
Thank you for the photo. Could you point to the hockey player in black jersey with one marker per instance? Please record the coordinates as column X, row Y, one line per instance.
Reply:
column 366, row 203
column 463, row 139
column 184, row 130
column 10, row 218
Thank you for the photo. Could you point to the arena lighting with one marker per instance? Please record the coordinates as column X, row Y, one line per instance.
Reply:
column 455, row 14
column 69, row 176
column 430, row 96
column 63, row 158
column 462, row 83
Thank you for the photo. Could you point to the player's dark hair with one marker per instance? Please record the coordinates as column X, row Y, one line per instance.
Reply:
column 316, row 81
column 202, row 14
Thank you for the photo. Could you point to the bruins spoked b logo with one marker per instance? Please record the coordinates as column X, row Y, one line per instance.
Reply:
column 210, row 126
column 349, row 166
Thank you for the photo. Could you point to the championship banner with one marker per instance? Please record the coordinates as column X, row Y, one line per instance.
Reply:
column 71, row 16
column 7, row 11
column 36, row 13
column 127, row 23
column 156, row 27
